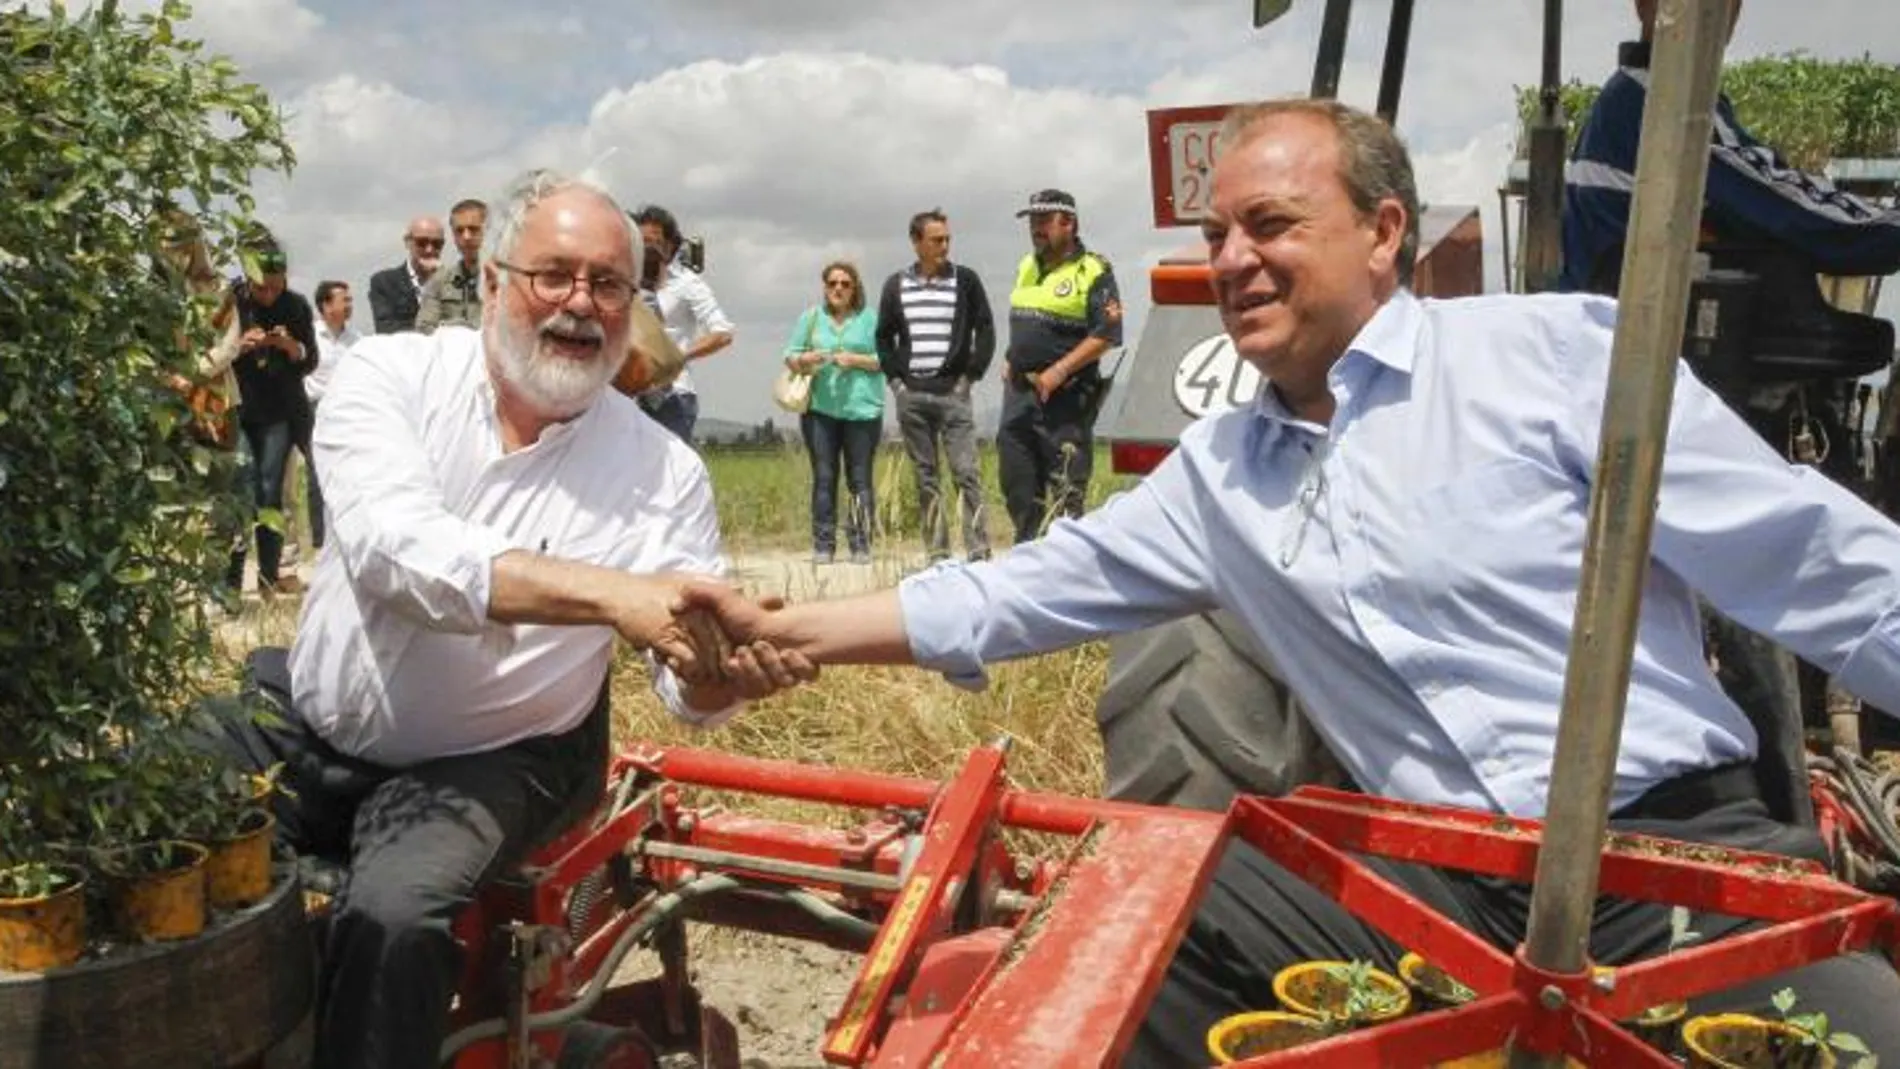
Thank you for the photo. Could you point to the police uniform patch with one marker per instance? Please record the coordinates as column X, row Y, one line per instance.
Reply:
column 1065, row 287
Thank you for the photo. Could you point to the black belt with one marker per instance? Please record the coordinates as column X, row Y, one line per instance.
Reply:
column 1694, row 793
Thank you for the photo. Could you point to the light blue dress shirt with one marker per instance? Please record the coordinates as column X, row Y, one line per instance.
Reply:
column 1413, row 567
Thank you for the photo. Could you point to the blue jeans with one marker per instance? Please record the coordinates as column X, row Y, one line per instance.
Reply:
column 270, row 450
column 675, row 411
column 826, row 438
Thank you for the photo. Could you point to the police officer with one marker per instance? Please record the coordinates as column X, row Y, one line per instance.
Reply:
column 1064, row 313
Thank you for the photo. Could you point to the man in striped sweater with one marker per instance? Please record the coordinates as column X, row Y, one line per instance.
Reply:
column 935, row 339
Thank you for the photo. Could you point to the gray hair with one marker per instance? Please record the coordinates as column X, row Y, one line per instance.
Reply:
column 521, row 195
column 1373, row 163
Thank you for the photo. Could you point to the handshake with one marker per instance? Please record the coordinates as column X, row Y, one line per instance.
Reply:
column 717, row 640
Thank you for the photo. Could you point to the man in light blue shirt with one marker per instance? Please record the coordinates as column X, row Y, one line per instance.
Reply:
column 1400, row 520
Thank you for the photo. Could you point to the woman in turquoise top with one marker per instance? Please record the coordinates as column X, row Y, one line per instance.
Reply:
column 836, row 342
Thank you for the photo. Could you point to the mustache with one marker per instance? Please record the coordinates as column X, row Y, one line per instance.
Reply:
column 573, row 326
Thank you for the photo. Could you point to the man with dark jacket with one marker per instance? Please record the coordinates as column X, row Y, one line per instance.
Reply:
column 395, row 294
column 935, row 338
column 277, row 349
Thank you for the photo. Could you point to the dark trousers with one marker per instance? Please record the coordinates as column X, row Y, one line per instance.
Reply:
column 313, row 491
column 941, row 425
column 419, row 842
column 675, row 411
column 1044, row 455
column 827, row 439
column 270, row 451
column 1257, row 917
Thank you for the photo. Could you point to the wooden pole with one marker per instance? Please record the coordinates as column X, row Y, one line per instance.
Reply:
column 1671, row 170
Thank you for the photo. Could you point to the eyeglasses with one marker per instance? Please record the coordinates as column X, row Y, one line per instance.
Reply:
column 838, row 284
column 426, row 243
column 554, row 285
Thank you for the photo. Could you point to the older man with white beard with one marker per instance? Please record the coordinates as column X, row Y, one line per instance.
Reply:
column 498, row 516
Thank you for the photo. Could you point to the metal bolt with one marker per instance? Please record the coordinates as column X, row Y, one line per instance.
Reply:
column 686, row 823
column 1551, row 996
column 1024, row 871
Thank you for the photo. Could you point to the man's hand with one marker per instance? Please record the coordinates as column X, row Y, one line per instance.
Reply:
column 961, row 388
column 644, row 616
column 1047, row 382
column 253, row 338
column 735, row 661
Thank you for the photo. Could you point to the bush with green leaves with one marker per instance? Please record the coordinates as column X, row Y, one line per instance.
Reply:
column 1812, row 110
column 114, row 130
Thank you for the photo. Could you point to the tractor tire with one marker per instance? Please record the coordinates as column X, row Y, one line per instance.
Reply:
column 1195, row 713
column 592, row 1045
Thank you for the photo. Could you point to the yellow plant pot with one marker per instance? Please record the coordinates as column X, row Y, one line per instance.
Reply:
column 46, row 932
column 1744, row 1041
column 1315, row 989
column 167, row 904
column 238, row 871
column 1660, row 1026
column 1250, row 1035
column 1430, row 983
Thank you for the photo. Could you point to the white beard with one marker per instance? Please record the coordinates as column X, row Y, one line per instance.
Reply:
column 554, row 386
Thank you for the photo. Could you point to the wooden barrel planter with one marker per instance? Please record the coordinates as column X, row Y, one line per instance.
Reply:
column 223, row 999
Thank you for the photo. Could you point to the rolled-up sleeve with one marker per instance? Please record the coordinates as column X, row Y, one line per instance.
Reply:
column 706, row 311
column 693, row 546
column 399, row 542
column 1138, row 561
column 1777, row 547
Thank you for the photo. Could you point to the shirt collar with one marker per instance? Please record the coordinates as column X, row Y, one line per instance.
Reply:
column 1389, row 338
column 917, row 271
column 1074, row 255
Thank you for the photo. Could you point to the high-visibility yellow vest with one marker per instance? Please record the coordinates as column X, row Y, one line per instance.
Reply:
column 1063, row 293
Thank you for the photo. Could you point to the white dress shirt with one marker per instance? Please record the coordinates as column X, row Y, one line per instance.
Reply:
column 689, row 311
column 1413, row 567
column 332, row 347
column 395, row 659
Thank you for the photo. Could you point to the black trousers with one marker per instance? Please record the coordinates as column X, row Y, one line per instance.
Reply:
column 418, row 843
column 1045, row 453
column 1256, row 918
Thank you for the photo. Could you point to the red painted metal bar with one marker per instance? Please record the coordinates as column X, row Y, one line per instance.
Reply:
column 1372, row 898
column 1591, row 1037
column 784, row 841
column 1737, row 959
column 1054, row 813
column 955, row 830
column 1734, row 882
column 1474, row 1028
column 1076, row 983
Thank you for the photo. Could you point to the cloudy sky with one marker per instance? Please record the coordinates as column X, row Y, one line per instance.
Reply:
column 788, row 132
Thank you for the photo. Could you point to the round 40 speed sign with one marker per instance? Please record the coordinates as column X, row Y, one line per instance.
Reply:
column 1213, row 378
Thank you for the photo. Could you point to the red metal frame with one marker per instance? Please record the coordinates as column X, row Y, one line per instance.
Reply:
column 1067, row 981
